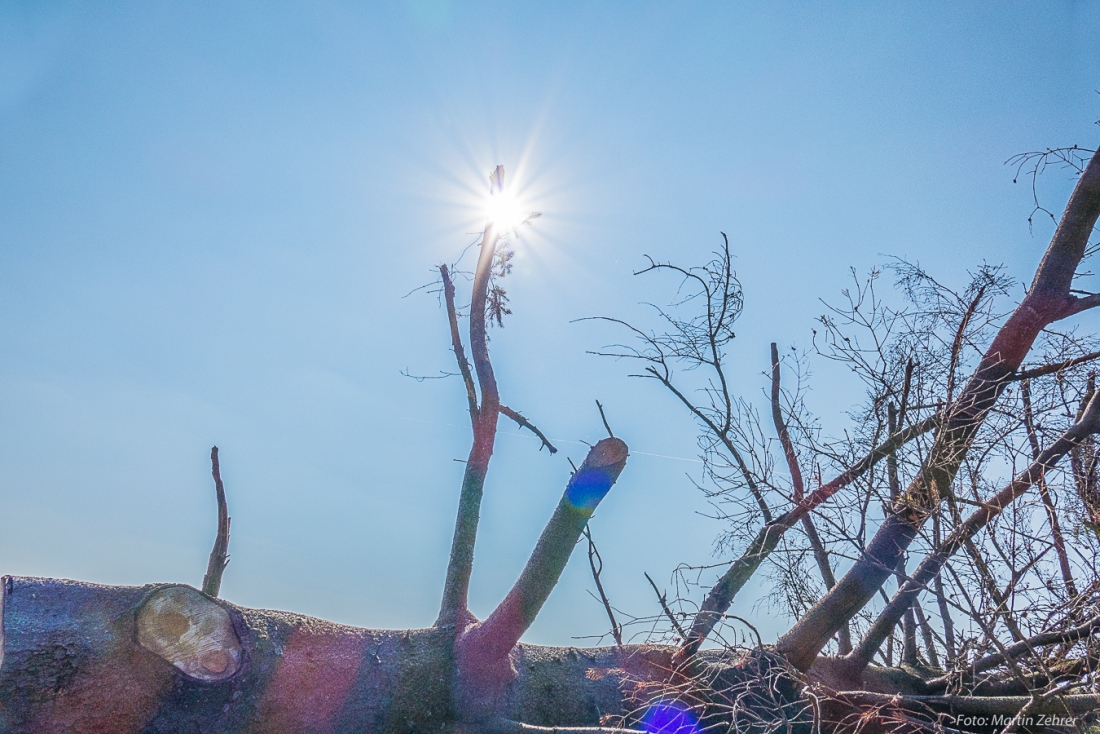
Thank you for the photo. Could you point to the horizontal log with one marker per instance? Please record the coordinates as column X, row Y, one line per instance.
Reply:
column 79, row 657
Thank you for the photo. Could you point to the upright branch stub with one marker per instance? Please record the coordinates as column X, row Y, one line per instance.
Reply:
column 456, row 588
column 486, row 645
column 219, row 555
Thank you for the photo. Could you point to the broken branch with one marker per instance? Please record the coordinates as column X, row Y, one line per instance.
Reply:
column 522, row 422
column 219, row 555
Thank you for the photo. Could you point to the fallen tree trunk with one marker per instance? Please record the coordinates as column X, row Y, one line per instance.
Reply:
column 76, row 658
column 165, row 658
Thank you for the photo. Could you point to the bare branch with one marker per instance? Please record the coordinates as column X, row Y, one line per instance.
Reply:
column 1050, row 369
column 595, row 562
column 1088, row 424
column 219, row 558
column 721, row 595
column 1047, row 301
column 1023, row 648
column 453, row 608
column 456, row 342
column 725, row 440
column 662, row 600
column 821, row 556
column 603, row 417
column 524, row 423
column 1059, row 541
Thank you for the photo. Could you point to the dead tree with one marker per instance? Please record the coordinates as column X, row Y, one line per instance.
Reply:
column 169, row 658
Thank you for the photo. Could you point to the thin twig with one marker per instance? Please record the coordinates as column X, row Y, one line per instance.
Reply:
column 507, row 726
column 603, row 417
column 594, row 558
column 1058, row 539
column 765, row 511
column 664, row 607
column 750, row 625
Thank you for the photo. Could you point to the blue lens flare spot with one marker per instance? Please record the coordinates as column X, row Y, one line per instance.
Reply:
column 587, row 488
column 669, row 717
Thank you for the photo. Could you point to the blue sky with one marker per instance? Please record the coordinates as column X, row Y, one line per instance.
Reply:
column 211, row 214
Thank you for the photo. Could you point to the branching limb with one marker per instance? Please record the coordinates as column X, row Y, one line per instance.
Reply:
column 1020, row 649
column 1047, row 300
column 1088, row 424
column 1077, row 305
column 522, row 422
column 453, row 607
column 721, row 595
column 219, row 555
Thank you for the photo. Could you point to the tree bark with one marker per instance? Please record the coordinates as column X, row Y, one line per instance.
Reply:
column 72, row 661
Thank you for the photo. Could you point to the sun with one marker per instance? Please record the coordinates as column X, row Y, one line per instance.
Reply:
column 503, row 210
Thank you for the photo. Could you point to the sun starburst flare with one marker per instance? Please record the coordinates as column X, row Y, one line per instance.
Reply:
column 503, row 210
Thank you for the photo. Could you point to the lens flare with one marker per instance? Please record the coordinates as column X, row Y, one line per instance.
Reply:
column 587, row 488
column 669, row 717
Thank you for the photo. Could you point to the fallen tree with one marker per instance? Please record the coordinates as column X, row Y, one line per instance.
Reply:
column 78, row 657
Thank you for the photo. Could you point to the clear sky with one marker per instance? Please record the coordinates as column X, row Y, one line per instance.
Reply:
column 211, row 214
